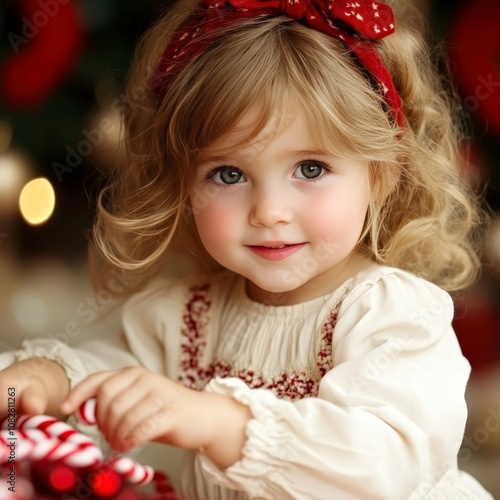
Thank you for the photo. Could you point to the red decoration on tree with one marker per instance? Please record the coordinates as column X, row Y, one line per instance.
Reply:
column 44, row 50
column 475, row 50
column 476, row 323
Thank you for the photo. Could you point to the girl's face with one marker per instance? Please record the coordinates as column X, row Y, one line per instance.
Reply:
column 280, row 211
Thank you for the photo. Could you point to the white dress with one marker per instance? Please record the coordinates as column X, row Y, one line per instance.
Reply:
column 358, row 394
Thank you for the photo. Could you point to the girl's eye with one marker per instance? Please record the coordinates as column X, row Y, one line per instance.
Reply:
column 310, row 170
column 226, row 175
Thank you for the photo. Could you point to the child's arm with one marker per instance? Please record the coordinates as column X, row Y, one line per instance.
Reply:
column 135, row 406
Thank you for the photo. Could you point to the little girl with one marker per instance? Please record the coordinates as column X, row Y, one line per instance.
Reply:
column 304, row 152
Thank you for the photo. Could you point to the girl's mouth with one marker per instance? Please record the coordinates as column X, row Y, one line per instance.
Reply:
column 276, row 252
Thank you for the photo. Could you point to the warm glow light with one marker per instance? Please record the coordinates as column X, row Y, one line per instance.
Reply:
column 12, row 174
column 15, row 171
column 37, row 201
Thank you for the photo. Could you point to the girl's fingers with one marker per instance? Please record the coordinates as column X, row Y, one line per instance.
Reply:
column 127, row 414
column 83, row 391
column 122, row 405
column 112, row 390
column 144, row 420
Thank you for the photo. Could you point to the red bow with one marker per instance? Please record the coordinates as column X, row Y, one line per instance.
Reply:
column 368, row 19
column 357, row 24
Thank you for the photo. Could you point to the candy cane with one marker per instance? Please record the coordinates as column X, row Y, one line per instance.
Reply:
column 87, row 413
column 40, row 437
column 22, row 448
column 52, row 427
column 34, row 444
column 132, row 471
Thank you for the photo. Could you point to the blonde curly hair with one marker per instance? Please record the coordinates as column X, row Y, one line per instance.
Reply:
column 422, row 216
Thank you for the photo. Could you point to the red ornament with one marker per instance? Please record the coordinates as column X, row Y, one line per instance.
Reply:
column 57, row 461
column 43, row 51
column 474, row 49
column 62, row 478
column 105, row 483
column 476, row 324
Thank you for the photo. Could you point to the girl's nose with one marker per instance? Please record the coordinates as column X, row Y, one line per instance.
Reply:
column 270, row 207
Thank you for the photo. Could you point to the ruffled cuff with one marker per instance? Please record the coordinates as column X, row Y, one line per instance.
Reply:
column 53, row 350
column 266, row 449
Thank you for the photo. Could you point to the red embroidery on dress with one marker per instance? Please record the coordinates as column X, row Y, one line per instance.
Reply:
column 193, row 337
column 292, row 385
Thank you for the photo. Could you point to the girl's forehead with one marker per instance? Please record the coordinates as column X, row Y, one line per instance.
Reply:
column 309, row 127
column 251, row 131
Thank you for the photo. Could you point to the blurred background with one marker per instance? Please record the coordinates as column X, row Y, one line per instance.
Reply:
column 62, row 66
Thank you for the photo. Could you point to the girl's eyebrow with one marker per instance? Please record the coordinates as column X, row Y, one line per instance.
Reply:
column 311, row 152
column 207, row 158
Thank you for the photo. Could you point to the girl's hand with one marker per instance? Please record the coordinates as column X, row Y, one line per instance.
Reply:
column 135, row 406
column 33, row 386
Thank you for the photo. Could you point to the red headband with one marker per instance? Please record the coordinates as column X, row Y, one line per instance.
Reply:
column 357, row 24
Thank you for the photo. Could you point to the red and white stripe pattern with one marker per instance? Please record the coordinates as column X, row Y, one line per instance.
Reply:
column 87, row 413
column 43, row 437
column 132, row 471
column 40, row 437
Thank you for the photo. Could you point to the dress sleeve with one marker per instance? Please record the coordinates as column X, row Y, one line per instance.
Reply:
column 389, row 417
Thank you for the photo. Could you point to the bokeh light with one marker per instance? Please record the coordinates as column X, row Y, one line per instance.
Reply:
column 15, row 170
column 37, row 201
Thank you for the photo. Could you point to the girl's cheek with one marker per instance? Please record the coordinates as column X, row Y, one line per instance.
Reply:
column 338, row 215
column 215, row 223
column 324, row 213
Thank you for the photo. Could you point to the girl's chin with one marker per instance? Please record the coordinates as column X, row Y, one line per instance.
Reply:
column 271, row 293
